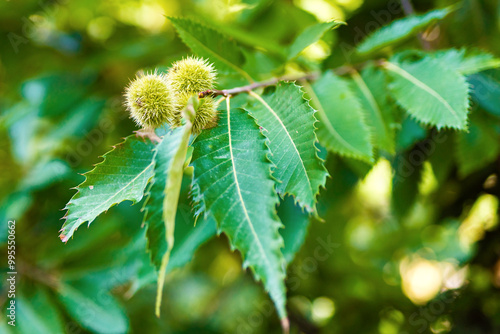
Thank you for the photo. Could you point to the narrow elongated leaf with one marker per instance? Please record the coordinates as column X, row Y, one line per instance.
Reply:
column 187, row 237
column 431, row 92
column 232, row 183
column 342, row 128
column 169, row 167
column 370, row 87
column 121, row 176
column 478, row 147
column 288, row 122
column 400, row 30
column 209, row 43
column 309, row 36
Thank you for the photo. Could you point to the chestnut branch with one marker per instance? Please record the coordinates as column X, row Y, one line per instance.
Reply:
column 342, row 70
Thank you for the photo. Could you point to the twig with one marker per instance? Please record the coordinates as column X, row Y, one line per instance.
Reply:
column 409, row 11
column 407, row 7
column 342, row 70
column 39, row 275
column 255, row 85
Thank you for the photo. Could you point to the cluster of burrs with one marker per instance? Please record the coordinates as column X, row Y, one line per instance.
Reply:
column 156, row 99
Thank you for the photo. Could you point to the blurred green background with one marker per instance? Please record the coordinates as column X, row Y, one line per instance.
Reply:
column 423, row 258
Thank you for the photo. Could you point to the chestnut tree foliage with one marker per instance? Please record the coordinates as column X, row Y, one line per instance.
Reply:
column 310, row 113
column 268, row 141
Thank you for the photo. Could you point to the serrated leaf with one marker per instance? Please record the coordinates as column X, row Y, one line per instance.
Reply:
column 188, row 237
column 478, row 147
column 430, row 92
column 467, row 61
column 370, row 87
column 342, row 128
column 232, row 183
column 209, row 43
column 486, row 90
column 288, row 122
column 310, row 35
column 253, row 40
column 93, row 309
column 400, row 30
column 296, row 223
column 121, row 176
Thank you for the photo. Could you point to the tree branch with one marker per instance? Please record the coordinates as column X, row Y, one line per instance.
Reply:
column 407, row 7
column 255, row 85
column 342, row 70
column 409, row 10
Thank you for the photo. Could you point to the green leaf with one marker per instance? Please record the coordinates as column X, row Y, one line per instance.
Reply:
column 232, row 183
column 399, row 30
column 486, row 90
column 410, row 133
column 342, row 128
column 430, row 92
column 92, row 309
column 310, row 35
column 209, row 43
column 38, row 313
column 253, row 40
column 478, row 147
column 187, row 237
column 467, row 61
column 260, row 65
column 45, row 173
column 288, row 122
column 121, row 176
column 407, row 176
column 370, row 87
column 45, row 92
column 296, row 224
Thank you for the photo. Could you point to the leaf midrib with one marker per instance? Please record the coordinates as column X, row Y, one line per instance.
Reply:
column 404, row 74
column 369, row 96
column 254, row 233
column 326, row 121
column 268, row 107
column 234, row 67
column 97, row 208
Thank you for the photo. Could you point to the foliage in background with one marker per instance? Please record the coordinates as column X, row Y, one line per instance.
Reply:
column 408, row 126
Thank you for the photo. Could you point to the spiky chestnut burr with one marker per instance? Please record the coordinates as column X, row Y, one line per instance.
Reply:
column 188, row 77
column 152, row 102
column 192, row 75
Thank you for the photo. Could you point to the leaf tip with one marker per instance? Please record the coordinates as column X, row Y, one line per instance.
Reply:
column 64, row 238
